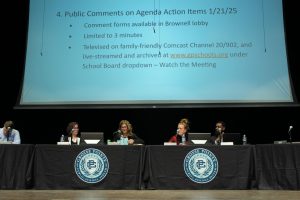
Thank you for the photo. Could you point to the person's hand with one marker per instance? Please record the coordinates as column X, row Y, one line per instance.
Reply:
column 218, row 131
column 113, row 143
column 130, row 141
column 219, row 138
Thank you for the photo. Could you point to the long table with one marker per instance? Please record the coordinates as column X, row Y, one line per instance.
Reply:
column 267, row 166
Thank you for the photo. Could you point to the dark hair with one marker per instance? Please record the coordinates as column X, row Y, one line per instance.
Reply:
column 70, row 127
column 221, row 122
column 9, row 124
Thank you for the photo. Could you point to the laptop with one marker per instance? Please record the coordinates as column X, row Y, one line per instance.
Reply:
column 236, row 138
column 92, row 138
column 199, row 138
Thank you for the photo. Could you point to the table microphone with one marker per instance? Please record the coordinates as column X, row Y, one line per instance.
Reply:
column 290, row 135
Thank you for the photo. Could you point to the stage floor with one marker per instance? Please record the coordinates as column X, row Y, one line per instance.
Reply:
column 150, row 194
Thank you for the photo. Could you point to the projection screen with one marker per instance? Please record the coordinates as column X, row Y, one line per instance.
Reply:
column 155, row 53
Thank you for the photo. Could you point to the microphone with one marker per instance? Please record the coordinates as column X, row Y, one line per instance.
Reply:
column 290, row 135
column 177, row 131
column 290, row 128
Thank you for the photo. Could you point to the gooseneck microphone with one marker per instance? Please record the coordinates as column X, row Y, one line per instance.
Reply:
column 290, row 134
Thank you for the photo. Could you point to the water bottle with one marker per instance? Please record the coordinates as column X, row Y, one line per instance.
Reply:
column 62, row 138
column 244, row 139
column 121, row 140
column 183, row 139
column 108, row 142
column 125, row 141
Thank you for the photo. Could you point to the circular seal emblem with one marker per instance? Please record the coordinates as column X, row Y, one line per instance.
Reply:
column 91, row 165
column 200, row 165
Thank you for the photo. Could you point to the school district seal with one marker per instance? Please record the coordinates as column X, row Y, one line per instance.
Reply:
column 91, row 165
column 200, row 165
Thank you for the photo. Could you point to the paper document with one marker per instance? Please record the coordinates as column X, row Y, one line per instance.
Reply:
column 226, row 143
column 170, row 143
column 63, row 143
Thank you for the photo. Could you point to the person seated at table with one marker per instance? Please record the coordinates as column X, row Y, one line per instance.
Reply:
column 9, row 134
column 125, row 130
column 182, row 135
column 73, row 133
column 217, row 135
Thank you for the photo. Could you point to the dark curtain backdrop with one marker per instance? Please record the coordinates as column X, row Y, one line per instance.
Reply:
column 261, row 124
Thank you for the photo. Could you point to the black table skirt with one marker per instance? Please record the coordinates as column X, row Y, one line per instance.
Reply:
column 16, row 166
column 278, row 166
column 266, row 166
column 54, row 167
column 164, row 168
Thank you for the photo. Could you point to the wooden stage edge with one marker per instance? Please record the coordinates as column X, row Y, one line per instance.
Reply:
column 150, row 194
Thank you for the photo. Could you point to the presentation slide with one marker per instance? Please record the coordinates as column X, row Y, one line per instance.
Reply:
column 155, row 52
